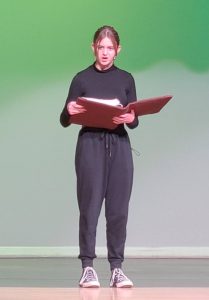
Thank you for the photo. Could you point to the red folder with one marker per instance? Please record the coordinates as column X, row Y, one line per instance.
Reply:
column 100, row 115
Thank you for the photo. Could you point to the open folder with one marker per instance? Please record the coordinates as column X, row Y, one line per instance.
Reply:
column 100, row 115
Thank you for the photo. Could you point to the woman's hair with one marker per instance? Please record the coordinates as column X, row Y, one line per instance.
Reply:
column 106, row 31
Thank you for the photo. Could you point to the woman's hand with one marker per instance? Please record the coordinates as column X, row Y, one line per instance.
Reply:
column 125, row 118
column 74, row 108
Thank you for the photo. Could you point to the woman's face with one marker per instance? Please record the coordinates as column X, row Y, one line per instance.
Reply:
column 105, row 52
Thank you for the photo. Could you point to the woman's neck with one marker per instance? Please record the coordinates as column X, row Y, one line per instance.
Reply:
column 102, row 68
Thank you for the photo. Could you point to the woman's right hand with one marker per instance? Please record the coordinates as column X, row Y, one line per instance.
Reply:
column 74, row 108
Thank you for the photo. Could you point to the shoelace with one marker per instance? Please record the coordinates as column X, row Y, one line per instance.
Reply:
column 90, row 276
column 120, row 276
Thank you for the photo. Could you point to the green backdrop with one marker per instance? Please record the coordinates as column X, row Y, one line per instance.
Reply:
column 46, row 39
column 43, row 43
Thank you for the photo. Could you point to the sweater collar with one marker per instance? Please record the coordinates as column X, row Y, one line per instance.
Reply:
column 112, row 68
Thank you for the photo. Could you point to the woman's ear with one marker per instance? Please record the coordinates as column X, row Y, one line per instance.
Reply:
column 93, row 48
column 118, row 49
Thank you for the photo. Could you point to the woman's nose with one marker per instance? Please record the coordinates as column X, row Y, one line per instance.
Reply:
column 105, row 51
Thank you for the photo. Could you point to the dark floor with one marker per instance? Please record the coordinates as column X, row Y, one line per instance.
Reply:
column 65, row 272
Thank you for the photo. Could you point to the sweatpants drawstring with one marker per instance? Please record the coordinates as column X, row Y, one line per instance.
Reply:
column 110, row 139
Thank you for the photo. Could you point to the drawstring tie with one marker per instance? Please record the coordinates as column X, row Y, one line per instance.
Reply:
column 110, row 139
column 136, row 152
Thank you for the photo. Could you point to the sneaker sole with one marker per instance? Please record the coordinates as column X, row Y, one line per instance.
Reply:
column 90, row 285
column 122, row 285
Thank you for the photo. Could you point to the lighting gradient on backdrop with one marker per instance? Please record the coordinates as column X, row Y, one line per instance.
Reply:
column 41, row 39
column 165, row 45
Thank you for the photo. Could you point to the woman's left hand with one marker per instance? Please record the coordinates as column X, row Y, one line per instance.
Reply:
column 125, row 118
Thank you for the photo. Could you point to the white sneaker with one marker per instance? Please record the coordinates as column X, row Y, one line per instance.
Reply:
column 119, row 279
column 89, row 278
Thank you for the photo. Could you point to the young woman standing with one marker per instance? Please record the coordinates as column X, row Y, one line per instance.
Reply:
column 103, row 159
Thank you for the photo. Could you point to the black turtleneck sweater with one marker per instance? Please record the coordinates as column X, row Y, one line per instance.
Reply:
column 108, row 84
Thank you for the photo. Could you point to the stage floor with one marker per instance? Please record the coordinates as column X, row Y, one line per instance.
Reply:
column 104, row 294
column 57, row 278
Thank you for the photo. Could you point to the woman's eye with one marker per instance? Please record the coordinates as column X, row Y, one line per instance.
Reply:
column 108, row 48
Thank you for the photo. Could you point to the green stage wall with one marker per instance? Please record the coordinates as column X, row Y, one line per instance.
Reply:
column 165, row 46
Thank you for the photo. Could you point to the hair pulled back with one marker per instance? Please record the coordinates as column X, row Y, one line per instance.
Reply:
column 106, row 31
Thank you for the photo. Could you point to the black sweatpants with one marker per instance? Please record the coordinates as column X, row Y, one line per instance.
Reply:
column 104, row 168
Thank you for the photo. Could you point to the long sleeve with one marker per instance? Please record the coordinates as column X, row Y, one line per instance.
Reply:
column 75, row 91
column 108, row 84
column 131, row 96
